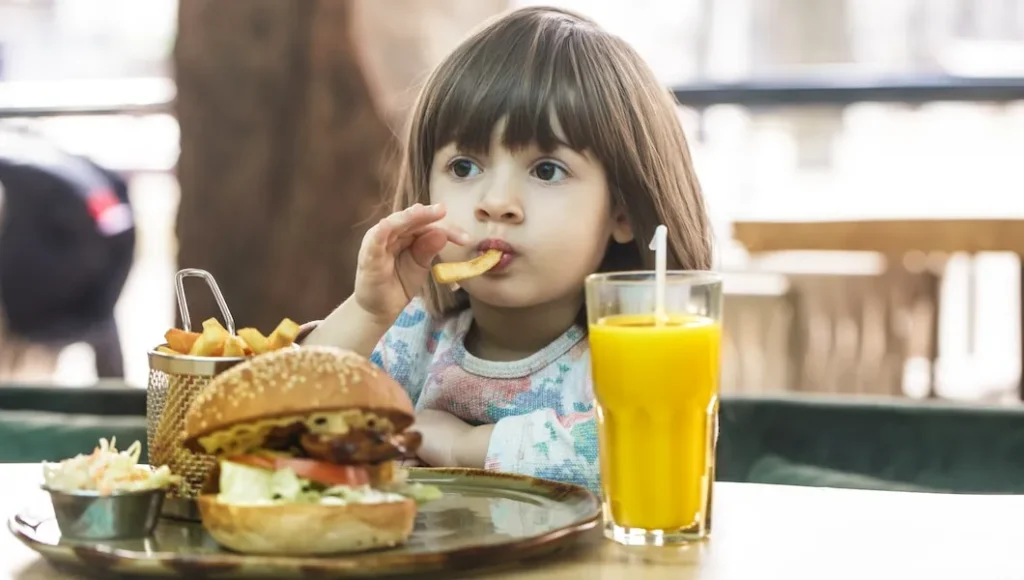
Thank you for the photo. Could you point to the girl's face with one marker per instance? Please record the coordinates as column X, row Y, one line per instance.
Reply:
column 550, row 213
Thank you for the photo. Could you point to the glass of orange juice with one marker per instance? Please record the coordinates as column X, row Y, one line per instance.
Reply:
column 656, row 383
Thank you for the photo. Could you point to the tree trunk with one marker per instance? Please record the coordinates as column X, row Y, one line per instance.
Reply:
column 284, row 155
column 402, row 40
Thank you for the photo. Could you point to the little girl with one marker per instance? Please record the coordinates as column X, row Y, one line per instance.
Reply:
column 549, row 139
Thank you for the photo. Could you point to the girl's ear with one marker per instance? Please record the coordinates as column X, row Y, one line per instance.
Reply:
column 622, row 232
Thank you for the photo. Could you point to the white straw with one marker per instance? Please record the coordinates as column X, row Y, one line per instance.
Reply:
column 658, row 244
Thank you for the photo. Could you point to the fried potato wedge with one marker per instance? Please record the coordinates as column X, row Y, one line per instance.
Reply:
column 234, row 346
column 216, row 341
column 284, row 335
column 211, row 341
column 180, row 341
column 255, row 339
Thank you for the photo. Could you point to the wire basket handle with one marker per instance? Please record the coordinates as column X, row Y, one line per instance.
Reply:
column 179, row 288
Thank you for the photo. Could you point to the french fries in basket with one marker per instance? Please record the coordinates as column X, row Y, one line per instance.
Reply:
column 216, row 341
column 452, row 272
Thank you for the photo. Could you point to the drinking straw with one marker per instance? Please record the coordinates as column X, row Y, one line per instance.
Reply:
column 658, row 244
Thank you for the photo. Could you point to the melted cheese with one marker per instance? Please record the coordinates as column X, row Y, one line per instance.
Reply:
column 245, row 437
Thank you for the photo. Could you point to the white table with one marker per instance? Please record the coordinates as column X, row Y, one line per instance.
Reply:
column 761, row 532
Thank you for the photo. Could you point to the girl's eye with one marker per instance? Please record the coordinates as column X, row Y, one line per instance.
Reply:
column 463, row 168
column 549, row 171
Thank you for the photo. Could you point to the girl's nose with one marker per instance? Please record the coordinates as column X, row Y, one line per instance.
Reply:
column 500, row 207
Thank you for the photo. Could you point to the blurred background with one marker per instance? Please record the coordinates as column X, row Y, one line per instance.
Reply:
column 859, row 158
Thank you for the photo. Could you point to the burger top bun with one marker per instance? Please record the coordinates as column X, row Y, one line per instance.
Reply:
column 329, row 389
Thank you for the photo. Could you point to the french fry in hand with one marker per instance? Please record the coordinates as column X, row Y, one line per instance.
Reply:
column 452, row 272
column 180, row 340
column 284, row 335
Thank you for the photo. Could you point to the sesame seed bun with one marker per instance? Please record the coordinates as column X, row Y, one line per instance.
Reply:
column 324, row 387
column 307, row 529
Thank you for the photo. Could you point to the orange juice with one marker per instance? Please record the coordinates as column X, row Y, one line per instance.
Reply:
column 657, row 393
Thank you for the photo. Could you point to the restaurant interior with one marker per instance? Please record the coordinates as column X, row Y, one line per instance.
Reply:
column 857, row 158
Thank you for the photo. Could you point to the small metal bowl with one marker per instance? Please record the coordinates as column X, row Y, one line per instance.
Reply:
column 87, row 515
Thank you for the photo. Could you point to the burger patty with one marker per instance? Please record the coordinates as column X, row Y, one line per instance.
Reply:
column 285, row 438
column 353, row 448
column 358, row 447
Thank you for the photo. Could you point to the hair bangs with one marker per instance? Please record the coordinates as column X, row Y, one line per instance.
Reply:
column 527, row 79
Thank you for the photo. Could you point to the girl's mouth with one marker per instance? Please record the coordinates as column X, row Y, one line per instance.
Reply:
column 507, row 252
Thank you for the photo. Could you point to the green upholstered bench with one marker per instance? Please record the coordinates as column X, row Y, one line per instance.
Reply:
column 887, row 443
column 31, row 436
column 47, row 423
column 108, row 398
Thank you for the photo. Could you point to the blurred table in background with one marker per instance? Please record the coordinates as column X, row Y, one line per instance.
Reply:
column 895, row 238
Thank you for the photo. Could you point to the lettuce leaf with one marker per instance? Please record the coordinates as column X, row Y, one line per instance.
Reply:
column 242, row 484
column 245, row 485
column 420, row 492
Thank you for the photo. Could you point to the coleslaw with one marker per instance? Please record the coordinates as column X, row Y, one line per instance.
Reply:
column 106, row 471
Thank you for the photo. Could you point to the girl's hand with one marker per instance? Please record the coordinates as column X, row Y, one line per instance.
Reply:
column 395, row 258
column 449, row 441
column 440, row 432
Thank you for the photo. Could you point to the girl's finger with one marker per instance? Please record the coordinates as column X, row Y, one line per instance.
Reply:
column 415, row 217
column 455, row 234
column 375, row 244
column 426, row 246
column 450, row 233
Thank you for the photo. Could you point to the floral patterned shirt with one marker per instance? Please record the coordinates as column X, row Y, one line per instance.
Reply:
column 542, row 407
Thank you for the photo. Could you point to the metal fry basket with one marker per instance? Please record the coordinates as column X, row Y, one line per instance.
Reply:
column 174, row 381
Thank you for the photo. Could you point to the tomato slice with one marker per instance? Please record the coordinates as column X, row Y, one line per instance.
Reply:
column 327, row 473
column 319, row 471
column 261, row 461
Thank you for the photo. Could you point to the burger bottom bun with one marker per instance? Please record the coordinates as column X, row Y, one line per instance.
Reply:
column 307, row 529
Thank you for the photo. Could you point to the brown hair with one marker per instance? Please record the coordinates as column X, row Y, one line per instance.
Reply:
column 535, row 62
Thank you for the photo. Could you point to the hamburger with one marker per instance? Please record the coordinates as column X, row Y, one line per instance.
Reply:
column 307, row 442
